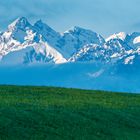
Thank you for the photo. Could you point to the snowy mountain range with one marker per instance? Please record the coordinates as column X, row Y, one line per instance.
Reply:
column 80, row 58
column 25, row 43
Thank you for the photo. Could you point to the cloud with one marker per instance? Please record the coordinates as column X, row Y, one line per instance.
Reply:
column 96, row 74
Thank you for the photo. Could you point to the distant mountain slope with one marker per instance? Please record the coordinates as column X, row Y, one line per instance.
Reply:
column 74, row 45
column 38, row 55
column 21, row 34
column 111, row 77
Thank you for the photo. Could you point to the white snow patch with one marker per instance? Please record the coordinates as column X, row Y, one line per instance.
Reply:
column 136, row 40
column 96, row 74
column 121, row 35
column 129, row 60
column 43, row 47
column 115, row 55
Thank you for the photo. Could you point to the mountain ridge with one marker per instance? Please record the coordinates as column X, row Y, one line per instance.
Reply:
column 78, row 58
column 74, row 45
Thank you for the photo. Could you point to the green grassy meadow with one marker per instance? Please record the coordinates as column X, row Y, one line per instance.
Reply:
column 48, row 113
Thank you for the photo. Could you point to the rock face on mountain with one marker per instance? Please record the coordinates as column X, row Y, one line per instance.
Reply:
column 26, row 44
column 48, row 46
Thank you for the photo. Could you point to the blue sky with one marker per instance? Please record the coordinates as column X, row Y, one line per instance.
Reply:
column 103, row 16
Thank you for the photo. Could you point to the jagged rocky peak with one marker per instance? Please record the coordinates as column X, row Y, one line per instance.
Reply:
column 89, row 34
column 90, row 53
column 45, row 30
column 120, row 35
column 118, row 44
column 42, row 26
column 77, row 29
column 21, row 23
column 133, row 39
column 83, row 36
column 75, row 44
column 76, row 37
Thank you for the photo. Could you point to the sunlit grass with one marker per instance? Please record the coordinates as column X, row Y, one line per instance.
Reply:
column 69, row 114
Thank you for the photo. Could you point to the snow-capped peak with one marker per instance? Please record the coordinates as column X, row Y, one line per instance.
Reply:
column 76, row 37
column 73, row 29
column 75, row 44
column 43, row 26
column 21, row 23
column 76, row 29
column 133, row 39
column 121, row 35
column 49, row 34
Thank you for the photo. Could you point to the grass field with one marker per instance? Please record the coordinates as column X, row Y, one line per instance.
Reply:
column 47, row 113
